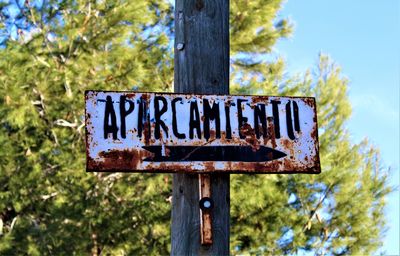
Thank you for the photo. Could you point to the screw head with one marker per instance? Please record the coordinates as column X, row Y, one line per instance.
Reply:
column 206, row 203
column 180, row 46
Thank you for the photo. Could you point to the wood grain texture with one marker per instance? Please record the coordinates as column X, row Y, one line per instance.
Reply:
column 185, row 229
column 201, row 66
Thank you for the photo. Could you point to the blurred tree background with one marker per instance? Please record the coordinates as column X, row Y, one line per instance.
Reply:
column 51, row 51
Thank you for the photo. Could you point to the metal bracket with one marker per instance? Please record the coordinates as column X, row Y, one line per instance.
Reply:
column 206, row 204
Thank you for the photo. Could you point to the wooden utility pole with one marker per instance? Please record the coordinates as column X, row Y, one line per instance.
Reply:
column 201, row 66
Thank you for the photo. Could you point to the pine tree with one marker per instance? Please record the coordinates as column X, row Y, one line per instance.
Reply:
column 49, row 204
column 52, row 51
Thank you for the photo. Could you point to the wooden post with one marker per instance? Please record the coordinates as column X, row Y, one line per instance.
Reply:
column 201, row 66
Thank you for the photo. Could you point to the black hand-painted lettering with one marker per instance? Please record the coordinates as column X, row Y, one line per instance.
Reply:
column 211, row 113
column 157, row 116
column 123, row 113
column 260, row 116
column 110, row 114
column 296, row 116
column 275, row 114
column 228, row 121
column 289, row 124
column 141, row 116
column 241, row 119
column 194, row 122
column 174, row 121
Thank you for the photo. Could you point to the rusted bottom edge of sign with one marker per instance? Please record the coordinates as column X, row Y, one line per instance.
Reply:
column 180, row 169
column 200, row 172
column 131, row 164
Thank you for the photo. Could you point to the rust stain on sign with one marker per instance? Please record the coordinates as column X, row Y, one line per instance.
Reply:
column 205, row 211
column 160, row 132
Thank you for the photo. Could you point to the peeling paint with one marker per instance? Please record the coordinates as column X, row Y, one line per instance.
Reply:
column 108, row 148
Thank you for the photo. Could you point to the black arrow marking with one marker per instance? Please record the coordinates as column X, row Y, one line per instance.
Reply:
column 213, row 153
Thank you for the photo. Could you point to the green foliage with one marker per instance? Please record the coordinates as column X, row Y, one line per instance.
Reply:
column 339, row 211
column 49, row 205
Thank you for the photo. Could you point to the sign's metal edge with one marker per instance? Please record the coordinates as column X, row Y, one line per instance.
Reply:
column 309, row 171
column 202, row 94
column 86, row 133
column 317, row 157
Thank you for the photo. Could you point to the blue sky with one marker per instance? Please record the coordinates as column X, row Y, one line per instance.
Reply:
column 363, row 38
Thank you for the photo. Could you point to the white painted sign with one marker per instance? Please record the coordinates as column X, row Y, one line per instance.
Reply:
column 159, row 132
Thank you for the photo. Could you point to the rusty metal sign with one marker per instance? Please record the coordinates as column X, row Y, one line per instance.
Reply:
column 161, row 132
